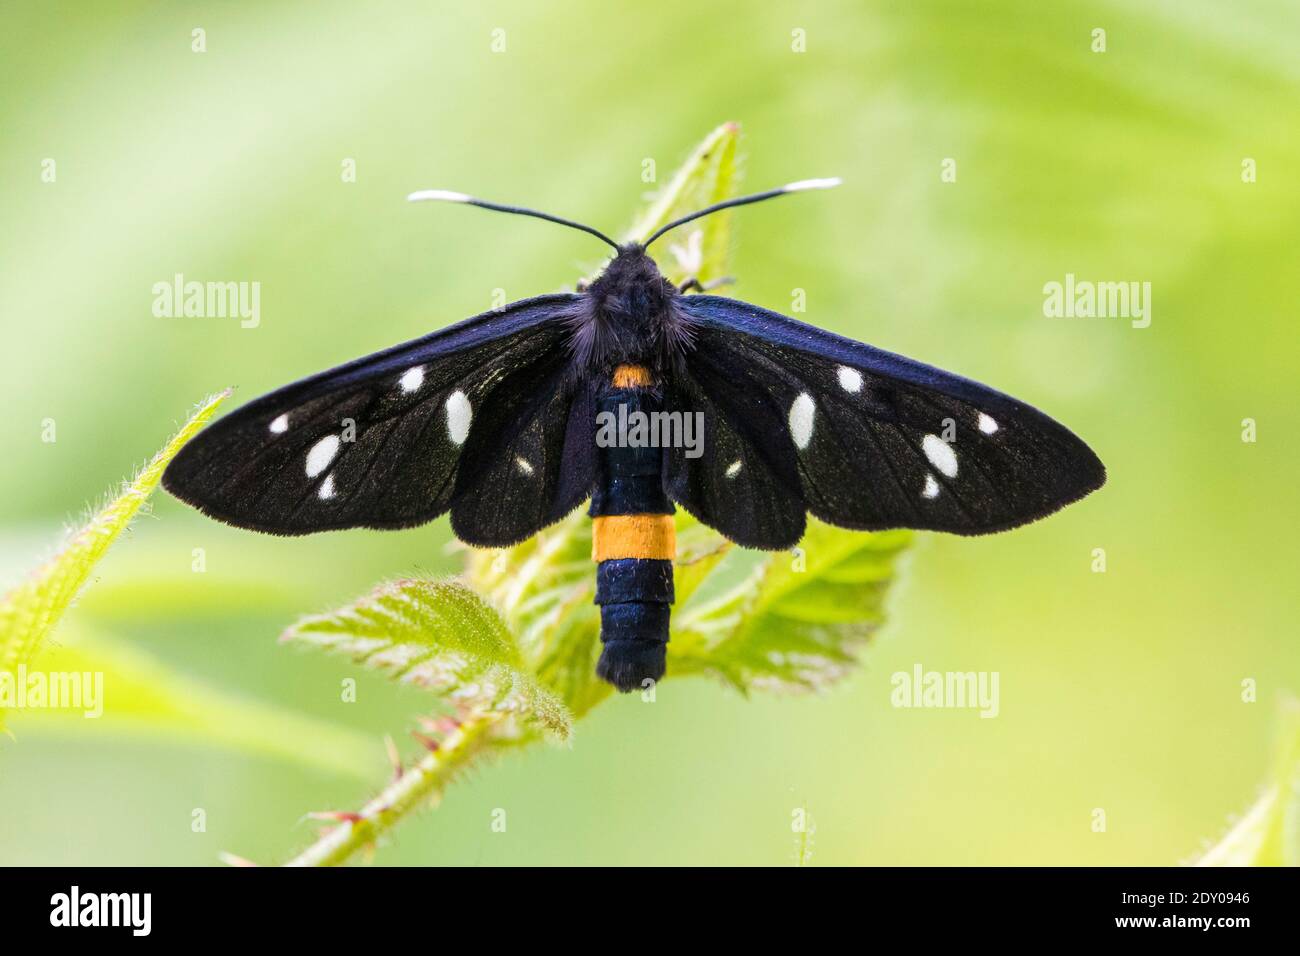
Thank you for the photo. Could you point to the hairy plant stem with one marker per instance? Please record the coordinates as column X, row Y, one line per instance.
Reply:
column 425, row 780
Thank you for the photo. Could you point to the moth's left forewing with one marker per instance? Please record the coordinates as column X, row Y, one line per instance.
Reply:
column 883, row 441
column 378, row 442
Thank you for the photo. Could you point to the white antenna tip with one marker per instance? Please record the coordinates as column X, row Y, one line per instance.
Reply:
column 442, row 195
column 805, row 184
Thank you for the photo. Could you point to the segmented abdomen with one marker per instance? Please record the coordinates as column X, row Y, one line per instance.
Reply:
column 633, row 543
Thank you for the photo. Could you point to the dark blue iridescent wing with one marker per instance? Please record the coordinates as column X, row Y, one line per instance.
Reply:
column 857, row 436
column 402, row 436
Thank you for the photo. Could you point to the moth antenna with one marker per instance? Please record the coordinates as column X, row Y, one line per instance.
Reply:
column 446, row 195
column 797, row 187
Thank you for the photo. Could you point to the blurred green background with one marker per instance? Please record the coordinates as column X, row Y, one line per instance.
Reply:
column 1119, row 691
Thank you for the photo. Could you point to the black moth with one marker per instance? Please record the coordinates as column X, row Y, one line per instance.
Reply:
column 496, row 420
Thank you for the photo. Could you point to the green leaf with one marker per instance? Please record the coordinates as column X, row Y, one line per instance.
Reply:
column 709, row 175
column 442, row 637
column 700, row 550
column 544, row 590
column 30, row 611
column 796, row 621
column 1269, row 833
column 144, row 696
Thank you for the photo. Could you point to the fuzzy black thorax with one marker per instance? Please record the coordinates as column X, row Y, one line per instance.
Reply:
column 629, row 315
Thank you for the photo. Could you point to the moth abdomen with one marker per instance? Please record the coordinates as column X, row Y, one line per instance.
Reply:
column 635, row 597
column 633, row 541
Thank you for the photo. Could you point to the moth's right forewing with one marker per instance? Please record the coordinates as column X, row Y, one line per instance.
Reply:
column 877, row 440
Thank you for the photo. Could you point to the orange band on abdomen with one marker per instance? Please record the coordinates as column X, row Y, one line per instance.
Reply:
column 633, row 536
column 632, row 376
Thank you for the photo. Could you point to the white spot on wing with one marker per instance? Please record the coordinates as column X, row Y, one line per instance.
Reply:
column 326, row 491
column 734, row 468
column 412, row 378
column 940, row 454
column 321, row 454
column 524, row 467
column 459, row 415
column 931, row 487
column 280, row 425
column 987, row 425
column 801, row 419
column 850, row 379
